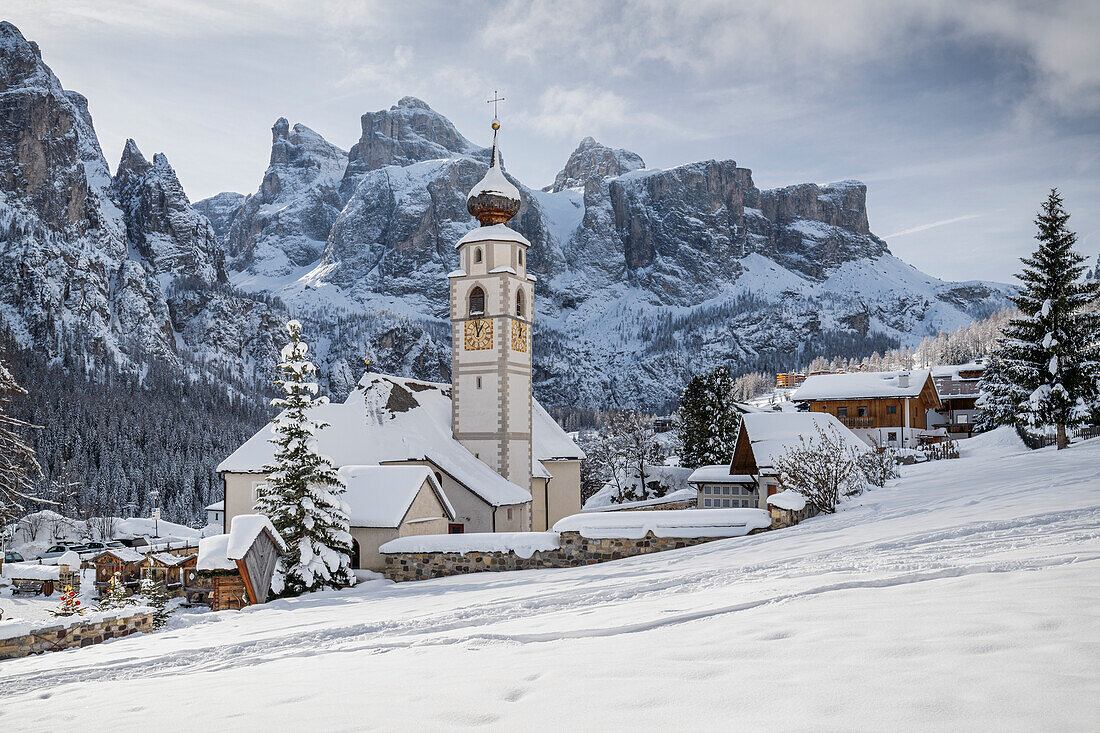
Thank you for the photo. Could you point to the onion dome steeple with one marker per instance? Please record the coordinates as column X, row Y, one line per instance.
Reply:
column 494, row 200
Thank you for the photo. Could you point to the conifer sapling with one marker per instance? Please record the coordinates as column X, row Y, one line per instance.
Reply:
column 302, row 493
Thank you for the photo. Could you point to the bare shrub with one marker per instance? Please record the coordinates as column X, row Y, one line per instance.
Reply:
column 823, row 468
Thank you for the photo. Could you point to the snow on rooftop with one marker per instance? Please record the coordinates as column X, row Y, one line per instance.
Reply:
column 495, row 183
column 493, row 233
column 380, row 496
column 456, row 273
column 952, row 370
column 854, row 385
column 791, row 500
column 771, row 433
column 390, row 419
column 244, row 531
column 666, row 523
column 218, row 506
column 212, row 554
column 524, row 544
column 503, row 268
column 672, row 497
column 30, row 571
column 715, row 474
column 168, row 559
column 125, row 554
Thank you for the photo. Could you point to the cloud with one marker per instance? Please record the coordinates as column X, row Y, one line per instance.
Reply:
column 573, row 112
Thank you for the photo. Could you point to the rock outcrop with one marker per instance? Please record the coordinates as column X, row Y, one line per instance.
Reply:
column 593, row 161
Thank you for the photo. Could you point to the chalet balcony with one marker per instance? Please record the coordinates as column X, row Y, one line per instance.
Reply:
column 858, row 422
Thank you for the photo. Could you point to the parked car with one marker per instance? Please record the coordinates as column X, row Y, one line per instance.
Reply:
column 12, row 556
column 60, row 549
column 93, row 548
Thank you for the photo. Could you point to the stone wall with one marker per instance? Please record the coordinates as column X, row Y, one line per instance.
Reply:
column 574, row 551
column 65, row 635
column 789, row 517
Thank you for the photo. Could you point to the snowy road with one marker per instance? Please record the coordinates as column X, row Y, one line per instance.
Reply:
column 966, row 594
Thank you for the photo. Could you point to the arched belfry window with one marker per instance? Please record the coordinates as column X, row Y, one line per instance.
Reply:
column 477, row 254
column 521, row 258
column 519, row 302
column 477, row 301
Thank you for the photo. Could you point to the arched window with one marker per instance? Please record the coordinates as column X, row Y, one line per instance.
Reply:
column 439, row 478
column 477, row 254
column 477, row 301
column 355, row 555
column 521, row 258
column 519, row 302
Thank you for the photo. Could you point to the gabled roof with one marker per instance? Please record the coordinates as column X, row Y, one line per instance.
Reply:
column 856, row 385
column 122, row 554
column 380, row 496
column 770, row 434
column 393, row 419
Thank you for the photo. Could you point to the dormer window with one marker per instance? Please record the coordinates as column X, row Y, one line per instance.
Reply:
column 519, row 303
column 477, row 300
column 477, row 255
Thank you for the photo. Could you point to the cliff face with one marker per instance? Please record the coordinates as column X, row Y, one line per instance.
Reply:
column 117, row 271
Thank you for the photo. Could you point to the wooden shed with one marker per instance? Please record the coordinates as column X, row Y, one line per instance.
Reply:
column 126, row 561
column 169, row 569
column 239, row 565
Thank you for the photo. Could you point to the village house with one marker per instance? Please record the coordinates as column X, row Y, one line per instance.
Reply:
column 957, row 386
column 496, row 459
column 751, row 476
column 215, row 513
column 887, row 408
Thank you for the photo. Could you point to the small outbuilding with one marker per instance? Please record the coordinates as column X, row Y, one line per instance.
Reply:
column 238, row 566
column 169, row 569
column 126, row 561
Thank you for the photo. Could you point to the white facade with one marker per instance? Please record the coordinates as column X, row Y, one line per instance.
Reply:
column 491, row 299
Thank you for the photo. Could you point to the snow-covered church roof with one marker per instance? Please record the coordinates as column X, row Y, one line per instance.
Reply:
column 390, row 419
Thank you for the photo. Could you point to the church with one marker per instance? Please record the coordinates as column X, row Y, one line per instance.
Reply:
column 478, row 455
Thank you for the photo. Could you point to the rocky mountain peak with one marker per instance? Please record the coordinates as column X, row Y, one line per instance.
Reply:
column 409, row 132
column 160, row 222
column 592, row 160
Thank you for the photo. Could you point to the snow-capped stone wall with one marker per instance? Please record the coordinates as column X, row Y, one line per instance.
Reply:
column 17, row 640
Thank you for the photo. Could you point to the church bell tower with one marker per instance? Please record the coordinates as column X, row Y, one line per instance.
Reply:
column 492, row 300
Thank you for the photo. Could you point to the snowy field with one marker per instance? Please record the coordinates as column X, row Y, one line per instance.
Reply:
column 965, row 595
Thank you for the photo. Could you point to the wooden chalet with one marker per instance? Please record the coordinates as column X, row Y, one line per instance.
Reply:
column 234, row 570
column 169, row 569
column 958, row 389
column 887, row 408
column 126, row 561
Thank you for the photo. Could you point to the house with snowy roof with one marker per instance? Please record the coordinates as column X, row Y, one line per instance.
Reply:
column 957, row 385
column 887, row 408
column 751, row 476
column 496, row 461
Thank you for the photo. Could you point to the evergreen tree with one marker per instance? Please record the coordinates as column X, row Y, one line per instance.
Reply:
column 1047, row 363
column 301, row 496
column 18, row 465
column 116, row 595
column 709, row 421
column 155, row 594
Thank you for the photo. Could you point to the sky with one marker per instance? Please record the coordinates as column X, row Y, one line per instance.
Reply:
column 959, row 116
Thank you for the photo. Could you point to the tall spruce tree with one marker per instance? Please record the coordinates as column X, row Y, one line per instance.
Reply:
column 709, row 421
column 301, row 496
column 1047, row 363
column 19, row 467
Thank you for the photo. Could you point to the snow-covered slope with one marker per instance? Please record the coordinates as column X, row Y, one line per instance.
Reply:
column 963, row 593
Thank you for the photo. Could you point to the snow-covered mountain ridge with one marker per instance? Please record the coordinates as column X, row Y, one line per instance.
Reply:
column 645, row 275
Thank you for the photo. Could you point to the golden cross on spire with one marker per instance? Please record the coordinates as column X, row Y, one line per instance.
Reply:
column 496, row 98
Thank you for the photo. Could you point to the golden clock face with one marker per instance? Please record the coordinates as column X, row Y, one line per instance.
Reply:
column 519, row 336
column 479, row 334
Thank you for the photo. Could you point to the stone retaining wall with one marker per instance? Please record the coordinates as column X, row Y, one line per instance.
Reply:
column 574, row 551
column 65, row 636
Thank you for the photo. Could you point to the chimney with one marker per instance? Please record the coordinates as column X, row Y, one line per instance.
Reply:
column 903, row 380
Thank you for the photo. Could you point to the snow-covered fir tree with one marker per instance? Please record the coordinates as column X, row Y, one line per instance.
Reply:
column 1049, row 357
column 18, row 465
column 302, row 493
column 709, row 421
